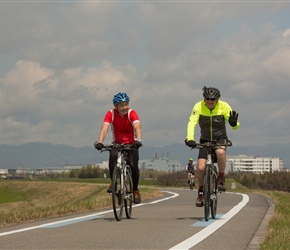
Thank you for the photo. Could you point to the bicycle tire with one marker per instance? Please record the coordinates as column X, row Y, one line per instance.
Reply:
column 206, row 192
column 128, row 193
column 214, row 199
column 190, row 183
column 117, row 194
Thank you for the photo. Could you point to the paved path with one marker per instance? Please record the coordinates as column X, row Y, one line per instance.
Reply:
column 171, row 222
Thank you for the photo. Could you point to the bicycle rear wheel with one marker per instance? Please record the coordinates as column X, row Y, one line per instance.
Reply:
column 128, row 193
column 206, row 192
column 214, row 196
column 117, row 194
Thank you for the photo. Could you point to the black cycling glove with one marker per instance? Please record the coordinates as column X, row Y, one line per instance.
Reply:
column 137, row 144
column 233, row 119
column 98, row 145
column 190, row 143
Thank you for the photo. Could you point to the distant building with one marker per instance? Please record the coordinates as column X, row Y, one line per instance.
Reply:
column 160, row 164
column 3, row 171
column 103, row 165
column 240, row 163
column 254, row 164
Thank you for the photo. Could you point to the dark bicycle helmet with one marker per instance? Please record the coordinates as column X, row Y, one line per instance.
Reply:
column 120, row 97
column 211, row 92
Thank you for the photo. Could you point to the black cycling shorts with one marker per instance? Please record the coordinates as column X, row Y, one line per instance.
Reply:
column 203, row 151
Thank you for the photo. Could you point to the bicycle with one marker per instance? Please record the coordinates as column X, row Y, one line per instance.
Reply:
column 122, row 184
column 191, row 181
column 210, row 185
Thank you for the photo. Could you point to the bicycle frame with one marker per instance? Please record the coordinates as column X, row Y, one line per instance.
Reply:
column 191, row 180
column 121, row 165
column 210, row 190
column 122, row 185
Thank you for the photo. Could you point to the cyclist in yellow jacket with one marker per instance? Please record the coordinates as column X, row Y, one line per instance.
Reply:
column 212, row 114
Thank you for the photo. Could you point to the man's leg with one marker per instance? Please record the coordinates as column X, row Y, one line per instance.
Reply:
column 133, row 162
column 200, row 176
column 221, row 161
column 200, row 171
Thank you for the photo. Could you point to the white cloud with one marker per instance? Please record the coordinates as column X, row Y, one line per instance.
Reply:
column 75, row 57
column 19, row 85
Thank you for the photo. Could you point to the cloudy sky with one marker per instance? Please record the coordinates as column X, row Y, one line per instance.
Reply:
column 61, row 63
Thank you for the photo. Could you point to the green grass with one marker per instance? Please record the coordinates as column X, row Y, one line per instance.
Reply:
column 8, row 194
column 278, row 233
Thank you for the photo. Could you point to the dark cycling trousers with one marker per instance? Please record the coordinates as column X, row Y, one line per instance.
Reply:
column 133, row 159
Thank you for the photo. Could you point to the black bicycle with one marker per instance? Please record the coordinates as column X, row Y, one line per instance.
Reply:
column 122, row 184
column 191, row 181
column 210, row 185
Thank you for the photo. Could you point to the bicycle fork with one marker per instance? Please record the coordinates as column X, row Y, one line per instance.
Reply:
column 123, row 176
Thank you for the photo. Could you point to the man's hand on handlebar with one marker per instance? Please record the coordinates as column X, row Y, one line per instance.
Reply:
column 137, row 144
column 99, row 146
column 190, row 143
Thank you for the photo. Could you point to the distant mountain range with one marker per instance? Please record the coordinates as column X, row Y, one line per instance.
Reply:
column 47, row 155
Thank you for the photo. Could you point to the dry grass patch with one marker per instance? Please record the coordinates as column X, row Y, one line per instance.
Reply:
column 40, row 200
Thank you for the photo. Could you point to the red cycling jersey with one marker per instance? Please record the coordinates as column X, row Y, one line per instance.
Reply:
column 122, row 126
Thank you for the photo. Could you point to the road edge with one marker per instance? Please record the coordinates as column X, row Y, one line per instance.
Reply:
column 260, row 233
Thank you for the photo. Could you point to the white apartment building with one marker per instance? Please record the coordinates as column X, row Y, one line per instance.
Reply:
column 254, row 164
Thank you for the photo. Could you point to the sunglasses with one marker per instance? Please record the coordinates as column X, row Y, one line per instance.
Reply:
column 212, row 99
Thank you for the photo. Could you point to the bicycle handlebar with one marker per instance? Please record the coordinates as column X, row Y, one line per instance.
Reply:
column 213, row 144
column 117, row 146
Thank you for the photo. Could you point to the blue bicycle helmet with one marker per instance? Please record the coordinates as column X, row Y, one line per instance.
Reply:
column 121, row 97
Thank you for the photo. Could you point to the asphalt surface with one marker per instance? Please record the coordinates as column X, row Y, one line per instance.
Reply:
column 170, row 222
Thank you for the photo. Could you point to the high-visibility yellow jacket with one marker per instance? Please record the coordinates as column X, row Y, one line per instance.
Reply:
column 212, row 122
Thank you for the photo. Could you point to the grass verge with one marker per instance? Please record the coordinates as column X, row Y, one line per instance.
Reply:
column 22, row 201
column 277, row 235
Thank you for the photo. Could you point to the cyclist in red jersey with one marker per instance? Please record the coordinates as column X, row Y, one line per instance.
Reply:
column 126, row 129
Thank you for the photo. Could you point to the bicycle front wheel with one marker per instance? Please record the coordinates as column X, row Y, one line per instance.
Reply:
column 191, row 183
column 128, row 193
column 206, row 192
column 117, row 194
column 214, row 196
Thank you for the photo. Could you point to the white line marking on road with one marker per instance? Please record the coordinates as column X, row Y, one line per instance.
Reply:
column 82, row 218
column 76, row 220
column 201, row 235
